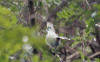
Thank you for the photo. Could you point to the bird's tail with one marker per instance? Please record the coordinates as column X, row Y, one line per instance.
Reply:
column 63, row 38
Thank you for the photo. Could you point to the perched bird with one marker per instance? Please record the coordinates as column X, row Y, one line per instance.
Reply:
column 52, row 39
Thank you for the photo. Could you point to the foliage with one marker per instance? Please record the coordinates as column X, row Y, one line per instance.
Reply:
column 12, row 34
column 74, row 11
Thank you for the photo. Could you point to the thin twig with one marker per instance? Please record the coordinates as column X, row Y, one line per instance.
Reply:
column 88, row 4
column 73, row 55
column 93, row 3
column 21, row 12
column 73, row 47
column 83, row 46
column 58, row 57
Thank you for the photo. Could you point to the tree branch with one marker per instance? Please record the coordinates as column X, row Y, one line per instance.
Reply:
column 98, row 53
column 54, row 12
column 31, row 10
column 73, row 55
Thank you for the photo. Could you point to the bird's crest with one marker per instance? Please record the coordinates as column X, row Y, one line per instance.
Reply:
column 50, row 26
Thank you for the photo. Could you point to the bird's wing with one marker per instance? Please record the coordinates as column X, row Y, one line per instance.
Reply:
column 49, row 24
column 63, row 37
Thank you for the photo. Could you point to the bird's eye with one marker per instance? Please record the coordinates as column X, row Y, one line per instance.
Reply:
column 48, row 28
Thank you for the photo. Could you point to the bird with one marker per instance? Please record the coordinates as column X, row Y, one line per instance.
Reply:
column 52, row 39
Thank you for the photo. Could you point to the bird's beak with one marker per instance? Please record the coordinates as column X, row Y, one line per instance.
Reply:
column 46, row 30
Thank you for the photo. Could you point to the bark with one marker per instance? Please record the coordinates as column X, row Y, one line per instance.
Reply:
column 31, row 10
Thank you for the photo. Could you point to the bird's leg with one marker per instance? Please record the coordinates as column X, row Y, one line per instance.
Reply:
column 51, row 51
column 30, row 57
column 57, row 55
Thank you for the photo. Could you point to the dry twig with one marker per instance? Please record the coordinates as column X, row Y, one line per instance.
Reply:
column 98, row 53
column 73, row 55
column 21, row 12
column 88, row 4
column 73, row 49
column 70, row 49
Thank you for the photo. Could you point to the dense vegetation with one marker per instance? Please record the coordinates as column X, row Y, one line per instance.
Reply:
column 23, row 25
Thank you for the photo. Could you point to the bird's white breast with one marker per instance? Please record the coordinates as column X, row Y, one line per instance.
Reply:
column 51, row 38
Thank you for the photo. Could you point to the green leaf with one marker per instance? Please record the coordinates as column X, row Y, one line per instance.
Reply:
column 97, row 59
column 61, row 34
column 35, row 58
column 75, row 43
column 14, row 20
column 81, row 53
column 13, row 8
column 62, row 24
column 97, row 6
column 4, row 10
column 78, row 60
column 40, row 4
column 88, row 60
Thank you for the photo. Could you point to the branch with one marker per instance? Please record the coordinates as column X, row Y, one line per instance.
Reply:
column 31, row 11
column 21, row 12
column 72, row 56
column 76, row 54
column 88, row 4
column 54, row 12
column 98, row 53
column 70, row 49
column 73, row 49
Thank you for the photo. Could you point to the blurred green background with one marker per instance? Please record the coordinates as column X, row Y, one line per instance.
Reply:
column 13, row 35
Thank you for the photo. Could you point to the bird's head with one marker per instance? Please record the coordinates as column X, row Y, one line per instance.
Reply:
column 48, row 29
